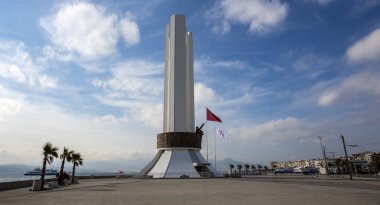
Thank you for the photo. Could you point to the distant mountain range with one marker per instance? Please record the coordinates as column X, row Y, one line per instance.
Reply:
column 15, row 168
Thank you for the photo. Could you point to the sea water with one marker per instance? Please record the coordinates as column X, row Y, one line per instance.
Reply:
column 11, row 177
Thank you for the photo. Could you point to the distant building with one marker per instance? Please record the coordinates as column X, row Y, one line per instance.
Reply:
column 361, row 161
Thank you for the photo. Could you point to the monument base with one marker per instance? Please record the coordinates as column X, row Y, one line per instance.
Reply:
column 178, row 157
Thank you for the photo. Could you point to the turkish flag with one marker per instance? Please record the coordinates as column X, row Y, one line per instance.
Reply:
column 211, row 116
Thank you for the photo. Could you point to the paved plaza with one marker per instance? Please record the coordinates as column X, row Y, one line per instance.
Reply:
column 265, row 190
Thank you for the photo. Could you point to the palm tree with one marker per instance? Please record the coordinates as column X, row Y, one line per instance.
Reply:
column 344, row 165
column 65, row 154
column 259, row 167
column 49, row 153
column 337, row 163
column 231, row 167
column 253, row 168
column 239, row 168
column 246, row 168
column 375, row 158
column 77, row 160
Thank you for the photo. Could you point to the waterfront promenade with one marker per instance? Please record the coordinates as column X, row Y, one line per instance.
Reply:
column 264, row 190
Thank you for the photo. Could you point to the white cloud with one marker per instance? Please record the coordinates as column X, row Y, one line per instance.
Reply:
column 134, row 77
column 87, row 31
column 309, row 97
column 42, row 121
column 312, row 65
column 260, row 15
column 111, row 119
column 244, row 99
column 207, row 62
column 366, row 49
column 311, row 61
column 204, row 95
column 146, row 110
column 129, row 31
column 279, row 129
column 12, row 72
column 351, row 89
column 8, row 107
column 136, row 86
column 11, row 103
column 16, row 64
column 328, row 98
column 151, row 115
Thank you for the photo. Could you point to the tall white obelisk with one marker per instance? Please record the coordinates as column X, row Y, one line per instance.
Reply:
column 179, row 78
column 179, row 145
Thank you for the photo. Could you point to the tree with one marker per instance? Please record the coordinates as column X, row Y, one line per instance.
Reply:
column 49, row 153
column 246, row 168
column 239, row 168
column 65, row 154
column 259, row 167
column 77, row 160
column 253, row 168
column 265, row 169
column 337, row 163
column 375, row 161
column 359, row 168
column 344, row 165
column 231, row 167
column 273, row 165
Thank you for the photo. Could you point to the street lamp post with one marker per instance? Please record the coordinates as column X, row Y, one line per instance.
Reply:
column 345, row 152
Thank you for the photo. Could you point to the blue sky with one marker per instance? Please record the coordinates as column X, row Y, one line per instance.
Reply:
column 89, row 75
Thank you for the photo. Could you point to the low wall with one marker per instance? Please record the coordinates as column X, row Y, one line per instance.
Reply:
column 19, row 184
column 95, row 177
column 28, row 183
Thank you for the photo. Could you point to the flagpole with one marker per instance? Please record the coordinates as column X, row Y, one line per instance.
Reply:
column 206, row 141
column 215, row 145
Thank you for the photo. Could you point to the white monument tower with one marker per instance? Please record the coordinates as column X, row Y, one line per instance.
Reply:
column 179, row 145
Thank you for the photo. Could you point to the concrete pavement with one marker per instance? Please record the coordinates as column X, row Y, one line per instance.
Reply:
column 250, row 190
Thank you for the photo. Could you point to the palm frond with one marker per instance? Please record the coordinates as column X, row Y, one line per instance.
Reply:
column 64, row 153
column 50, row 152
column 55, row 154
column 50, row 159
column 76, row 158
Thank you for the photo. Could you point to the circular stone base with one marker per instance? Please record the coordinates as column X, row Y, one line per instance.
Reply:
column 179, row 140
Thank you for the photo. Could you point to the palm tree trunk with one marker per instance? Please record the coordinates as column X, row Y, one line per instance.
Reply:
column 72, row 177
column 60, row 177
column 43, row 173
